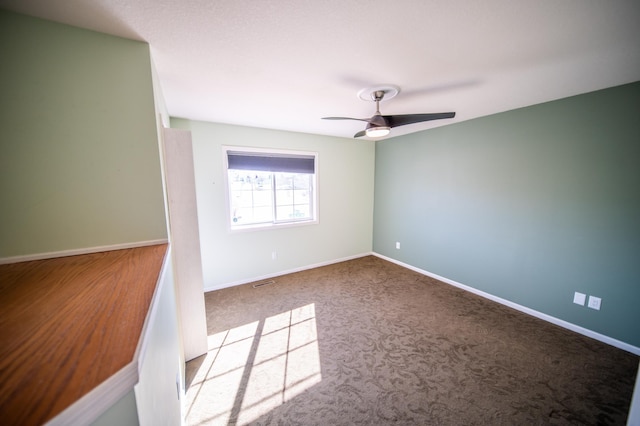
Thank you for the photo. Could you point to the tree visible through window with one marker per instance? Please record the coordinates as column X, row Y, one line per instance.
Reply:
column 270, row 188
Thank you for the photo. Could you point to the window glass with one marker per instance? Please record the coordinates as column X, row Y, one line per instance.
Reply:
column 270, row 188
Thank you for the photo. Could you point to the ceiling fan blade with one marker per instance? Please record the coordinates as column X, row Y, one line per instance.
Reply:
column 346, row 118
column 401, row 120
column 360, row 134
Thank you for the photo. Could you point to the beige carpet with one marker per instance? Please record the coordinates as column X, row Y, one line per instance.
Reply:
column 367, row 342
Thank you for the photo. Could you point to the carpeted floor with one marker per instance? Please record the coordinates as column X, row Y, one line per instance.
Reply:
column 367, row 342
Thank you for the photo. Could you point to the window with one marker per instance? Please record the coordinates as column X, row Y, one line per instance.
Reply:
column 270, row 187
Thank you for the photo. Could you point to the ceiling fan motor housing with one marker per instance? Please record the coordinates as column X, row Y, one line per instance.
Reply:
column 377, row 121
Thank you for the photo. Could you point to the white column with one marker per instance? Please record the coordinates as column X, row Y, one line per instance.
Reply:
column 185, row 240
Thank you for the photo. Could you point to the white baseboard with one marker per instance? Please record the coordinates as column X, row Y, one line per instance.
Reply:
column 75, row 252
column 553, row 320
column 208, row 288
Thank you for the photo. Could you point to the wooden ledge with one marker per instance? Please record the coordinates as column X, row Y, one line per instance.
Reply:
column 69, row 324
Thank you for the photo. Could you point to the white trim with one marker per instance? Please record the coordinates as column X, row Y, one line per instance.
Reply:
column 634, row 409
column 143, row 343
column 553, row 320
column 288, row 271
column 92, row 405
column 270, row 226
column 75, row 252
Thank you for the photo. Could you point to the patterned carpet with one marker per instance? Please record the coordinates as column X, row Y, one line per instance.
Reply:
column 367, row 342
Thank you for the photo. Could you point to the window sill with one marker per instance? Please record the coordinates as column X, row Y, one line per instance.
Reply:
column 271, row 226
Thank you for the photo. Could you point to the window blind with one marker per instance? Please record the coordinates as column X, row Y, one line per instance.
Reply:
column 267, row 162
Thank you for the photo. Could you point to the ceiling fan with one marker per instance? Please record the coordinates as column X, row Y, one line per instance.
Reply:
column 380, row 125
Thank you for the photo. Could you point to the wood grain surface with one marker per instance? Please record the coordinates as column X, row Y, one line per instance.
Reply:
column 67, row 324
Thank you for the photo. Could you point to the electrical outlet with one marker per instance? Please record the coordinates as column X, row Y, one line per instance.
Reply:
column 579, row 298
column 594, row 302
column 398, row 245
column 274, row 255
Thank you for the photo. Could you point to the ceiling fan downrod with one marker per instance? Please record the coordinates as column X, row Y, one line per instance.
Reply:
column 377, row 97
column 378, row 127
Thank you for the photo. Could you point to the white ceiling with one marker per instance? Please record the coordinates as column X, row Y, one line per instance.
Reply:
column 284, row 64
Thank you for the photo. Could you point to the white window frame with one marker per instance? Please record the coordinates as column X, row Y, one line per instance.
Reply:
column 273, row 224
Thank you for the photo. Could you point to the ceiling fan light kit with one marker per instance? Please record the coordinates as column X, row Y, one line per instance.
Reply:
column 380, row 125
column 377, row 132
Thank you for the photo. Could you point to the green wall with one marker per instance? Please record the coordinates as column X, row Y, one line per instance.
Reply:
column 530, row 205
column 79, row 158
column 345, row 191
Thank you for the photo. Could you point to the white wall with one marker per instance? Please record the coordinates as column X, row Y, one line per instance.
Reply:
column 345, row 189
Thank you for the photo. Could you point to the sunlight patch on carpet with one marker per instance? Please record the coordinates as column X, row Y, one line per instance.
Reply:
column 254, row 368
